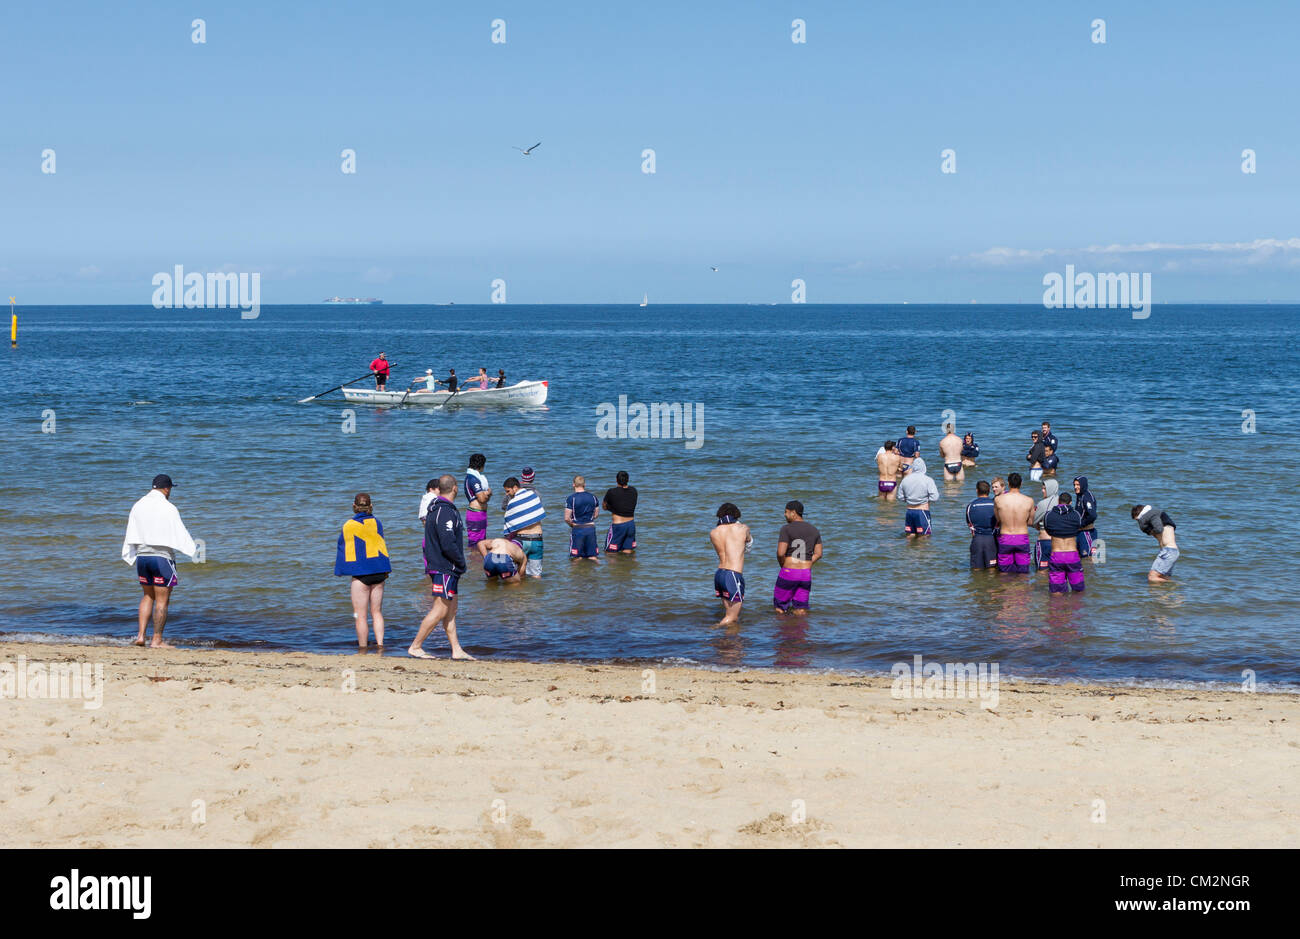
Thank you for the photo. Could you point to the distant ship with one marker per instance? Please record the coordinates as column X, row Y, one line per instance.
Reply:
column 352, row 300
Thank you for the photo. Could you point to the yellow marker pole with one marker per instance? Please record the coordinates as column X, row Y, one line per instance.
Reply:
column 13, row 325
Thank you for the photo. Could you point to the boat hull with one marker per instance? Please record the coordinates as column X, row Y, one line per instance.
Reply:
column 521, row 394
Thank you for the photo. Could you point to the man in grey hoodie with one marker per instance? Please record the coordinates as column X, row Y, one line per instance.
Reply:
column 1043, row 550
column 918, row 491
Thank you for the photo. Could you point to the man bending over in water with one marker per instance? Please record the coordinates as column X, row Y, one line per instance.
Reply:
column 1161, row 527
column 731, row 540
column 504, row 559
column 950, row 450
column 887, row 466
column 1014, row 510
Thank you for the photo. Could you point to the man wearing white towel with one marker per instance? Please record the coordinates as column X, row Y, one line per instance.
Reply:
column 154, row 533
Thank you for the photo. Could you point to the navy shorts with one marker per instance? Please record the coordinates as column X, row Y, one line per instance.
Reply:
column 444, row 585
column 729, row 585
column 156, row 572
column 917, row 522
column 582, row 542
column 499, row 565
column 621, row 537
column 983, row 552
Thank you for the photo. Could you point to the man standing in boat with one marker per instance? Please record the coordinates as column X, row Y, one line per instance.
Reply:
column 381, row 368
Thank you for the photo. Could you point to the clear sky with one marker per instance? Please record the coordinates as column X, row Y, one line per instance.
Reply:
column 774, row 160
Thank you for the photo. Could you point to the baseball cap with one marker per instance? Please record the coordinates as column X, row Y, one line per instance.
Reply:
column 162, row 481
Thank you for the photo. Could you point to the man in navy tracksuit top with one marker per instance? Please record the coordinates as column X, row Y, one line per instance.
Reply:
column 1086, row 504
column 982, row 518
column 444, row 562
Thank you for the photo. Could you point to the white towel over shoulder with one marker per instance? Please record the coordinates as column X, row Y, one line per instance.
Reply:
column 155, row 522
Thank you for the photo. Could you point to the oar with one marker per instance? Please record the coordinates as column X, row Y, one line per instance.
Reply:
column 458, row 390
column 335, row 388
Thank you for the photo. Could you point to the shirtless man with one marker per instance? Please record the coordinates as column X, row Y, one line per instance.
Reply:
column 950, row 449
column 731, row 540
column 1161, row 527
column 503, row 559
column 887, row 466
column 1014, row 509
column 1064, row 569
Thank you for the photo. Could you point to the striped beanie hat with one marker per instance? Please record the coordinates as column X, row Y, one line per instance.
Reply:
column 527, row 476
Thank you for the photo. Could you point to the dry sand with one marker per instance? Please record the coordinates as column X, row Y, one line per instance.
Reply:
column 277, row 753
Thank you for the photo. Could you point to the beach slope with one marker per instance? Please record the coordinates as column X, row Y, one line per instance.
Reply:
column 213, row 749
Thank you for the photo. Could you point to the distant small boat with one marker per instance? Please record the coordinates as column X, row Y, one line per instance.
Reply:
column 520, row 394
column 353, row 300
column 645, row 299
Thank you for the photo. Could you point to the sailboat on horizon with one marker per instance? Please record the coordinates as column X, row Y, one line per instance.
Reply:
column 645, row 299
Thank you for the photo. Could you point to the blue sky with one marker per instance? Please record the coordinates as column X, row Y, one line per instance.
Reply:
column 775, row 160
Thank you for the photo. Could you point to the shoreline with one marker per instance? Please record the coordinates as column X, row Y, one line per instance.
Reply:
column 272, row 749
column 398, row 651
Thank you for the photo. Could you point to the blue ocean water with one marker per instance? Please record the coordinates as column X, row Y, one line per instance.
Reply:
column 796, row 400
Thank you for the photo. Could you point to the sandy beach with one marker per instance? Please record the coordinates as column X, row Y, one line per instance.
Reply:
column 192, row 748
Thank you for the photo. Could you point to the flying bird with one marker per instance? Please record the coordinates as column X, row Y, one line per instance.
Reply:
column 712, row 268
column 529, row 150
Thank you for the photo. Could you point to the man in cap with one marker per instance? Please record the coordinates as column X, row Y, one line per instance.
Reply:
column 380, row 367
column 154, row 533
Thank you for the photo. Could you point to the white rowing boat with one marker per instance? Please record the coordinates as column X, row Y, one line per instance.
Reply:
column 520, row 394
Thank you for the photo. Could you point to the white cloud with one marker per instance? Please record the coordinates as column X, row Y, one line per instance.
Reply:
column 1280, row 252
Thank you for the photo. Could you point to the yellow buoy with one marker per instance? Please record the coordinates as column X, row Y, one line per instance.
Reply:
column 13, row 325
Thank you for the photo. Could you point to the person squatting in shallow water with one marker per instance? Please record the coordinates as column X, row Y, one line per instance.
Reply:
column 363, row 555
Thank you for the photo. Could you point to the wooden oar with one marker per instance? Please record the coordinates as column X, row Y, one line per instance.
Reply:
column 335, row 388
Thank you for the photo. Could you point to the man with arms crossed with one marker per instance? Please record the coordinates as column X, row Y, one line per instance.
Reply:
column 888, row 467
column 731, row 540
column 798, row 548
column 982, row 518
column 950, row 449
column 444, row 562
column 1034, row 456
column 477, row 494
column 154, row 532
column 1161, row 527
column 620, row 502
column 1014, row 509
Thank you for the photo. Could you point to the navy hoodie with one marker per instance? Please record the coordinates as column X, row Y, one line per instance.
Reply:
column 1086, row 502
column 444, row 538
column 1062, row 521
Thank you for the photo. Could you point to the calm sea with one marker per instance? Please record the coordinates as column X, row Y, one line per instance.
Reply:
column 796, row 400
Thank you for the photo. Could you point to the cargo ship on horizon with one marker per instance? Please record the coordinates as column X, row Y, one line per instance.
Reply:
column 362, row 300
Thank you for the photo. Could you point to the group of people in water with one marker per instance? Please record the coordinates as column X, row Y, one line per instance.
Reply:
column 1001, row 519
column 381, row 368
column 1001, row 516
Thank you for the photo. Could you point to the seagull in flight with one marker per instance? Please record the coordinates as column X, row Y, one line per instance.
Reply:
column 712, row 268
column 529, row 150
